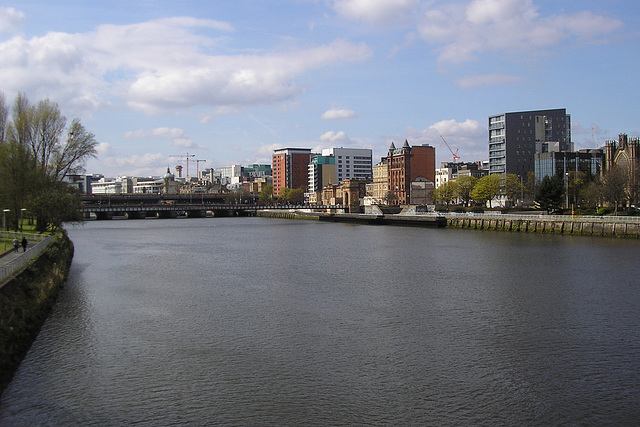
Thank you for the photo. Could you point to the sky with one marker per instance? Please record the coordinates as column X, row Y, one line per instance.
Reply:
column 228, row 81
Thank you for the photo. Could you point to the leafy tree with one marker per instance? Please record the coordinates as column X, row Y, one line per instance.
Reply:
column 446, row 192
column 487, row 188
column 513, row 188
column 550, row 193
column 466, row 183
column 56, row 203
column 295, row 195
column 266, row 194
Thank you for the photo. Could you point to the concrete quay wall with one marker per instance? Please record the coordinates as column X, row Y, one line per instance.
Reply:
column 587, row 227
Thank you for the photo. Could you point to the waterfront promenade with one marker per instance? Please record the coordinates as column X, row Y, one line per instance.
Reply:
column 12, row 261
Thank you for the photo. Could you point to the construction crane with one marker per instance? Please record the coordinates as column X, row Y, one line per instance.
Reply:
column 186, row 158
column 198, row 167
column 455, row 155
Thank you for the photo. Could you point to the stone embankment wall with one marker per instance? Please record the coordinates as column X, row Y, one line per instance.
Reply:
column 27, row 299
column 586, row 227
column 286, row 214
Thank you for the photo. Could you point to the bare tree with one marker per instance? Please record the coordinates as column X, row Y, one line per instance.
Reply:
column 4, row 116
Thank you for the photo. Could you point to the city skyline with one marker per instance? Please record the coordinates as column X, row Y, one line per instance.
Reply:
column 229, row 82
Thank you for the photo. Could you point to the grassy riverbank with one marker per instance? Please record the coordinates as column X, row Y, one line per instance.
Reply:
column 27, row 299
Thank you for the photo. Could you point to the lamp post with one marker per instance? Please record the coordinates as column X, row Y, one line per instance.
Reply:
column 21, row 220
column 4, row 225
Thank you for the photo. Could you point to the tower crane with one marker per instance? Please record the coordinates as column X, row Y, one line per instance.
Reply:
column 185, row 158
column 198, row 167
column 455, row 155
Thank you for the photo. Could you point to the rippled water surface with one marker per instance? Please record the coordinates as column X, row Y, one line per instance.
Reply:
column 250, row 321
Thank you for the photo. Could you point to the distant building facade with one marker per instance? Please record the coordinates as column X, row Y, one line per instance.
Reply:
column 589, row 162
column 515, row 138
column 449, row 171
column 380, row 186
column 351, row 163
column 625, row 153
column 404, row 166
column 290, row 168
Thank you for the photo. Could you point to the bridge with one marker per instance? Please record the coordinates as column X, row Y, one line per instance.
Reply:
column 140, row 206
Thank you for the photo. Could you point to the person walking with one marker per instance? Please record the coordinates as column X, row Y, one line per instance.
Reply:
column 24, row 244
column 16, row 244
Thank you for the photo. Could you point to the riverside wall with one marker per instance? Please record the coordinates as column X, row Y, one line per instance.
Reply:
column 543, row 224
column 588, row 226
column 26, row 300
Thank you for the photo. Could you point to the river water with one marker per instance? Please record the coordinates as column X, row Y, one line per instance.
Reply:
column 252, row 321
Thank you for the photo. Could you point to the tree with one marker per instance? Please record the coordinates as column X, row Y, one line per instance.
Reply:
column 4, row 115
column 614, row 186
column 513, row 188
column 531, row 186
column 576, row 182
column 266, row 194
column 550, row 193
column 38, row 152
column 295, row 195
column 390, row 197
column 466, row 183
column 487, row 188
column 446, row 192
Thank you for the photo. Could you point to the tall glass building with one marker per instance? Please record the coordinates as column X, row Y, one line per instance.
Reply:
column 514, row 138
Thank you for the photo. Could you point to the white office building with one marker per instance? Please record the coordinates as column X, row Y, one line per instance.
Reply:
column 351, row 163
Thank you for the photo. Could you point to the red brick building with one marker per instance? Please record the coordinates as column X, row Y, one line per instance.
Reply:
column 405, row 165
column 290, row 168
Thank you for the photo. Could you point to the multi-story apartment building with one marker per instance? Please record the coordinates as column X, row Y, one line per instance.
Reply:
column 322, row 172
column 351, row 163
column 514, row 138
column 407, row 164
column 290, row 168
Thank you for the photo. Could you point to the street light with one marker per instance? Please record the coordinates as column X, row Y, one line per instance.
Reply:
column 21, row 220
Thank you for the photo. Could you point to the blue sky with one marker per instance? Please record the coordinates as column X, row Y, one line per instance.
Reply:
column 229, row 81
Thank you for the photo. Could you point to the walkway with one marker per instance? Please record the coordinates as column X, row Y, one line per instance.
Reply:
column 11, row 261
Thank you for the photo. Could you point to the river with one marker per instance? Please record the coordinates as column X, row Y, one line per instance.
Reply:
column 253, row 321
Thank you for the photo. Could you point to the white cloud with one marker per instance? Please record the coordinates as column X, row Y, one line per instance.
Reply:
column 10, row 19
column 104, row 149
column 265, row 151
column 487, row 79
column 146, row 164
column 169, row 133
column 159, row 65
column 464, row 31
column 335, row 114
column 184, row 143
column 468, row 139
column 136, row 134
column 377, row 12
column 336, row 138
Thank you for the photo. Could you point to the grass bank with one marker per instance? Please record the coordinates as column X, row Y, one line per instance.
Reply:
column 27, row 299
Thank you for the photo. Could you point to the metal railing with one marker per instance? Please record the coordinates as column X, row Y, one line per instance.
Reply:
column 9, row 264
